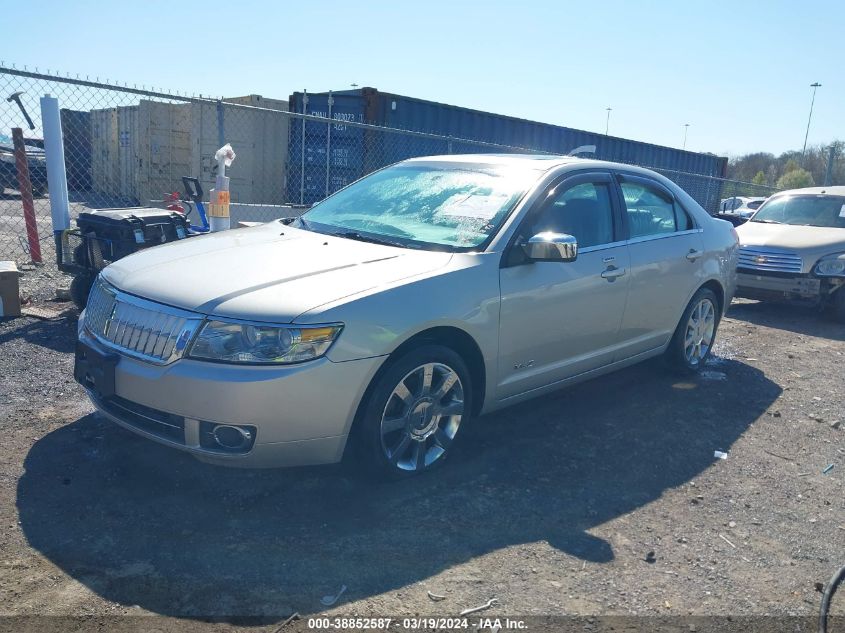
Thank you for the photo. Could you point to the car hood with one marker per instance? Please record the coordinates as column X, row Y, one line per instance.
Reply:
column 800, row 239
column 268, row 273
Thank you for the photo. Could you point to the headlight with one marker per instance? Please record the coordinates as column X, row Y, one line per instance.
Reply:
column 835, row 266
column 229, row 341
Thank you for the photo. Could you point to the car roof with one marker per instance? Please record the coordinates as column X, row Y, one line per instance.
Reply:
column 830, row 191
column 531, row 161
column 539, row 162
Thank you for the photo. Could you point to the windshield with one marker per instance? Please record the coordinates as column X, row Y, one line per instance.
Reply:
column 441, row 206
column 806, row 210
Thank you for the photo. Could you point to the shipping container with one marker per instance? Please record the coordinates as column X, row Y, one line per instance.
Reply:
column 158, row 149
column 376, row 149
column 105, row 166
column 260, row 141
column 322, row 158
column 76, row 130
column 140, row 153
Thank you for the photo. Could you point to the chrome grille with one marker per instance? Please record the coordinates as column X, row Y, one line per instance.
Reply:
column 137, row 327
column 769, row 260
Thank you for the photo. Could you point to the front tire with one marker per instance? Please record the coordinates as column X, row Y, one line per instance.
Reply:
column 692, row 343
column 410, row 421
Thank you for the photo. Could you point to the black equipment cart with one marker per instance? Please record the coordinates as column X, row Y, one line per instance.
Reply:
column 105, row 235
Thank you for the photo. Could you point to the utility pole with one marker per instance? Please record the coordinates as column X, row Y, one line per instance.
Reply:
column 686, row 129
column 815, row 86
column 607, row 123
column 828, row 176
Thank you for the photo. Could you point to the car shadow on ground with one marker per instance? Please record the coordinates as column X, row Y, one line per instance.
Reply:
column 789, row 317
column 56, row 334
column 141, row 524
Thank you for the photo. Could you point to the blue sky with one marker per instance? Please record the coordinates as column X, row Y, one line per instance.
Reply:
column 737, row 72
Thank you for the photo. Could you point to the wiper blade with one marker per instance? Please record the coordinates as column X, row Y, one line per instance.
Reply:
column 355, row 235
column 767, row 221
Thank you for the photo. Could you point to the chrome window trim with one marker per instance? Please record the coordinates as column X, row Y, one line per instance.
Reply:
column 662, row 236
column 601, row 247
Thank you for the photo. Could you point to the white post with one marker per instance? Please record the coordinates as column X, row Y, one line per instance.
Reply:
column 221, row 183
column 51, row 123
column 218, row 200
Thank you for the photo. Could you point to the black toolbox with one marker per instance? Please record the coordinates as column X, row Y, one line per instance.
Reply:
column 121, row 232
column 105, row 235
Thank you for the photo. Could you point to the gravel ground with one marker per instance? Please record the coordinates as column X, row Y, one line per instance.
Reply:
column 601, row 499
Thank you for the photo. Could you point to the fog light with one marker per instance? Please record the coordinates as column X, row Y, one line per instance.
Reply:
column 231, row 437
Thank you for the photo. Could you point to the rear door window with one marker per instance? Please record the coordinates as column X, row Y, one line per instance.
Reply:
column 652, row 211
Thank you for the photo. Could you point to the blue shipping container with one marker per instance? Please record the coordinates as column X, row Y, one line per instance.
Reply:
column 364, row 151
column 322, row 158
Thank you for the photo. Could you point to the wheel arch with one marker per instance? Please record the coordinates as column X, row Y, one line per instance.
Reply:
column 716, row 287
column 455, row 339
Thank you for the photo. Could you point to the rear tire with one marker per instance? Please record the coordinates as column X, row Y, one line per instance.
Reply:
column 692, row 343
column 410, row 420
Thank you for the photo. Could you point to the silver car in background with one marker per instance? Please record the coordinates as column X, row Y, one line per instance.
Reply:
column 793, row 249
column 742, row 207
column 425, row 294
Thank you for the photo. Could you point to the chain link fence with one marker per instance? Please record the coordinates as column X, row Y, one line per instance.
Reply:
column 130, row 146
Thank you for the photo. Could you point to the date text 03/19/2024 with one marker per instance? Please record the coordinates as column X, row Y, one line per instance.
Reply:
column 493, row 625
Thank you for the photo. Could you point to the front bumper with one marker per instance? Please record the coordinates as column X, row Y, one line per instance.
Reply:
column 301, row 414
column 801, row 288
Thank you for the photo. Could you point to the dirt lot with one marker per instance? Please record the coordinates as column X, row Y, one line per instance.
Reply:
column 603, row 499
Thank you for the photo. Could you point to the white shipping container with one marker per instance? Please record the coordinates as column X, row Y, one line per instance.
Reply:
column 114, row 137
column 163, row 151
column 260, row 141
column 141, row 152
column 104, row 159
column 127, row 152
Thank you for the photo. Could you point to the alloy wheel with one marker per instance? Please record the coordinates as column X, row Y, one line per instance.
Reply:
column 422, row 416
column 701, row 328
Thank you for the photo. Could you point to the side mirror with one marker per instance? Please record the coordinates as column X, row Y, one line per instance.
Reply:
column 551, row 247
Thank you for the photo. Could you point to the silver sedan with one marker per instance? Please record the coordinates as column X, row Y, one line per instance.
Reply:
column 383, row 319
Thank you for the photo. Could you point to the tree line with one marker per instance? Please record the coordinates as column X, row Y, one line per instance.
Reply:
column 790, row 170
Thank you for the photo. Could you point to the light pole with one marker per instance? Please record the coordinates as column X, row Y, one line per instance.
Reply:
column 815, row 86
column 607, row 122
column 686, row 129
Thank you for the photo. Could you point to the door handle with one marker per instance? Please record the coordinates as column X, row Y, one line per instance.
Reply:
column 693, row 254
column 612, row 273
